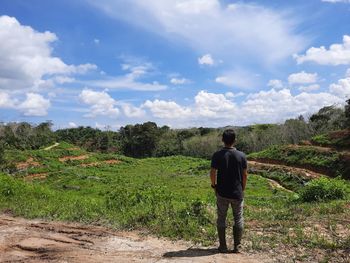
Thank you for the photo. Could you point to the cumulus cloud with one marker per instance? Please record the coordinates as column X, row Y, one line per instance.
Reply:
column 212, row 105
column 341, row 88
column 275, row 83
column 72, row 125
column 211, row 26
column 179, row 81
column 101, row 103
column 5, row 100
column 337, row 54
column 275, row 106
column 166, row 109
column 302, row 78
column 26, row 56
column 131, row 111
column 309, row 88
column 129, row 81
column 206, row 60
column 238, row 78
column 34, row 105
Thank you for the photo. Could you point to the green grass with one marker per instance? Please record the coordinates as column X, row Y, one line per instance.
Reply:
column 337, row 139
column 168, row 196
column 330, row 162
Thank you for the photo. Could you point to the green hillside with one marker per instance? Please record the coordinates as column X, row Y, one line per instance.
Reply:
column 168, row 196
column 333, row 160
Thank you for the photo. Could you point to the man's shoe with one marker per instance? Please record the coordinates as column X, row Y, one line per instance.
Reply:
column 222, row 240
column 237, row 249
column 223, row 249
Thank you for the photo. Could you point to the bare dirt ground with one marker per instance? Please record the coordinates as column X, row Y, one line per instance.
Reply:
column 28, row 163
column 52, row 146
column 73, row 158
column 31, row 241
column 261, row 165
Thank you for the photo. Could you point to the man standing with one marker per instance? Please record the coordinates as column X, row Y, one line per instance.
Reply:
column 228, row 177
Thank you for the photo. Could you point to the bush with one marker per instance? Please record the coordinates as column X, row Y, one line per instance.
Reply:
column 324, row 189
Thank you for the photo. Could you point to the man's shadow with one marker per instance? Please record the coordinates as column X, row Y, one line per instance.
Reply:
column 191, row 252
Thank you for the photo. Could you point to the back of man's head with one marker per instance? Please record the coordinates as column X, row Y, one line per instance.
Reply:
column 229, row 137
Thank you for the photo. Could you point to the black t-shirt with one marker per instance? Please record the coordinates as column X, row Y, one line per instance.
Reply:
column 230, row 164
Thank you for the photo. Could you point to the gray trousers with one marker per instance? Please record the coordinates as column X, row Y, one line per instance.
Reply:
column 223, row 204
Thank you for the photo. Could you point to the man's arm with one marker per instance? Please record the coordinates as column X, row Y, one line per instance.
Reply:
column 245, row 175
column 213, row 176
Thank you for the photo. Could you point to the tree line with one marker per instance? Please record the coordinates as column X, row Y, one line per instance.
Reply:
column 149, row 140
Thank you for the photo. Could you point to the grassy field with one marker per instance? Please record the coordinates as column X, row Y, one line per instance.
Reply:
column 170, row 197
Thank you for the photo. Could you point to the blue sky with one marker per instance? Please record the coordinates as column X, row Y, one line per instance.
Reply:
column 180, row 63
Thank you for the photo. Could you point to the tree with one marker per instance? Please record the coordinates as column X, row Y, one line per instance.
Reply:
column 328, row 119
column 2, row 155
column 347, row 113
column 140, row 140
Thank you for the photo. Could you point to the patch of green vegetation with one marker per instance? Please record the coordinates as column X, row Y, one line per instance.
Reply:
column 168, row 196
column 337, row 139
column 330, row 162
column 324, row 189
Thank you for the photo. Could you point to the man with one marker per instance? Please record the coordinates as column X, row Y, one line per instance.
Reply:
column 228, row 177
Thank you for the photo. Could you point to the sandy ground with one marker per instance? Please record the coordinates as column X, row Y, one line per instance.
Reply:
column 39, row 241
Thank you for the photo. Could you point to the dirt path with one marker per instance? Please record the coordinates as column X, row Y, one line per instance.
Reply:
column 260, row 165
column 52, row 146
column 38, row 241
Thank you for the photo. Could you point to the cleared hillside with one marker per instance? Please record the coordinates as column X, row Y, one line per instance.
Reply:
column 170, row 197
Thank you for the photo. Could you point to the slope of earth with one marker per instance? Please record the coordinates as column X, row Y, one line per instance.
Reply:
column 321, row 160
column 169, row 197
column 39, row 241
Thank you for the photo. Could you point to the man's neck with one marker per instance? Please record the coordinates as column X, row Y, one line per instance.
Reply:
column 229, row 146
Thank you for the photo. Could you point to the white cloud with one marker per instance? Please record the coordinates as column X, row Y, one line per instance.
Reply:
column 26, row 56
column 302, row 78
column 179, row 81
column 34, row 105
column 275, row 106
column 342, row 88
column 347, row 74
column 275, row 83
column 96, row 41
column 131, row 111
column 129, row 81
column 211, row 26
column 212, row 105
column 309, row 88
column 238, row 78
column 206, row 60
column 101, row 103
column 231, row 95
column 166, row 109
column 337, row 54
column 5, row 100
column 72, row 125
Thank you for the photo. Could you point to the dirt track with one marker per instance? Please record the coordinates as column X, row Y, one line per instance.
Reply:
column 38, row 241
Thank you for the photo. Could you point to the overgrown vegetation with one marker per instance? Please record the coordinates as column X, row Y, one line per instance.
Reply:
column 149, row 140
column 168, row 196
column 324, row 189
column 330, row 162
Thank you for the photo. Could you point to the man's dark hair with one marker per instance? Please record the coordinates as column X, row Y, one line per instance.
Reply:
column 229, row 136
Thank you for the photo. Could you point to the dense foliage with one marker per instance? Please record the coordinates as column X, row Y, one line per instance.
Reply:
column 324, row 189
column 330, row 162
column 148, row 139
column 167, row 196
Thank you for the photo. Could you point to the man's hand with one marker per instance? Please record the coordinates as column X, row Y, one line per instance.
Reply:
column 245, row 175
column 213, row 178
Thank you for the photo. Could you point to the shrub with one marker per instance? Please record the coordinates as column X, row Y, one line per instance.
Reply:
column 324, row 189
